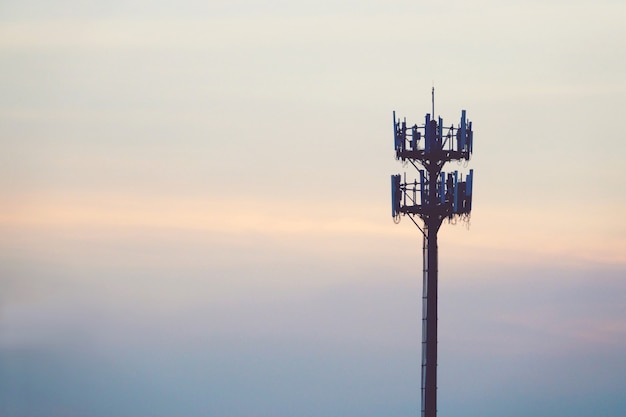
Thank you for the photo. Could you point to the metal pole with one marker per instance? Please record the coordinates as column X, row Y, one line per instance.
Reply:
column 430, row 322
column 424, row 315
column 432, row 221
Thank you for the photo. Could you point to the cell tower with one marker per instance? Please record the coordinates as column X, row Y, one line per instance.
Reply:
column 434, row 197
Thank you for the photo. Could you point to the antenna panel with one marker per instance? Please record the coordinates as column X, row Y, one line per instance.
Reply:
column 442, row 187
column 462, row 130
column 396, row 195
column 440, row 133
column 469, row 180
column 423, row 190
column 455, row 202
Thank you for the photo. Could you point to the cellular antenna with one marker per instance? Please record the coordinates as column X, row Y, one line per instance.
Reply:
column 433, row 100
column 427, row 201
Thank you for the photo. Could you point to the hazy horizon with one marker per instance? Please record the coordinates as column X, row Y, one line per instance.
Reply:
column 195, row 215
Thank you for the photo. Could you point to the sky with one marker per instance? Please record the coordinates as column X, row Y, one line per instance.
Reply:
column 195, row 208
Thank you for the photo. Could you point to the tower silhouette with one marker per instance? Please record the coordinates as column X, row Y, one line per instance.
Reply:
column 435, row 197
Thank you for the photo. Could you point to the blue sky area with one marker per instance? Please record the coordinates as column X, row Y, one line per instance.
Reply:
column 195, row 208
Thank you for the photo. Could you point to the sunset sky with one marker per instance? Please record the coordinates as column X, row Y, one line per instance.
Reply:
column 195, row 208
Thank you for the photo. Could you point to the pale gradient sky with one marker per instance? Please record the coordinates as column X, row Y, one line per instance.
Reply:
column 195, row 220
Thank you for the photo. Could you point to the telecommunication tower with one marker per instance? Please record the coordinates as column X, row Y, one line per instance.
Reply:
column 434, row 197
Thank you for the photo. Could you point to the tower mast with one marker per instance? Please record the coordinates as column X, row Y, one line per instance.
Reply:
column 435, row 197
